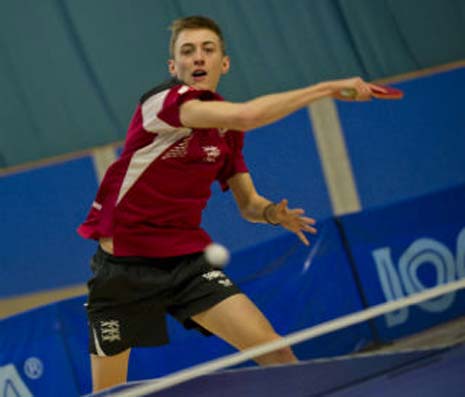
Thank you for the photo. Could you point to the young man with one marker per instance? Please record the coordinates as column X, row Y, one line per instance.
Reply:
column 147, row 213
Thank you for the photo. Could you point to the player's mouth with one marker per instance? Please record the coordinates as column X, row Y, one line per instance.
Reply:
column 199, row 75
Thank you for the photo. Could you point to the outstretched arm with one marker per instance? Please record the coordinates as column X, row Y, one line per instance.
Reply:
column 268, row 108
column 258, row 209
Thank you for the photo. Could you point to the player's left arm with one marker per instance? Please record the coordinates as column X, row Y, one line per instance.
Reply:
column 256, row 208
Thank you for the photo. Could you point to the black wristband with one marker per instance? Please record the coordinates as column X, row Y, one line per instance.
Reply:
column 265, row 215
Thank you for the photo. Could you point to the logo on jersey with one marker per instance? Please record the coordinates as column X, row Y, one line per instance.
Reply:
column 179, row 150
column 211, row 153
column 110, row 330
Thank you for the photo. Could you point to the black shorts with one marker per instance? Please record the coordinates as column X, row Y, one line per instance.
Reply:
column 130, row 296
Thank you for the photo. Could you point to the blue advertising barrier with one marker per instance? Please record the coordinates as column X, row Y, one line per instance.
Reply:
column 33, row 357
column 298, row 287
column 72, row 316
column 408, row 247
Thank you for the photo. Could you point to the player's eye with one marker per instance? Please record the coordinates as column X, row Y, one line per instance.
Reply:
column 187, row 51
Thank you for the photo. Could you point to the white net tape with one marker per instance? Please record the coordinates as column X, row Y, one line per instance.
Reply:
column 291, row 339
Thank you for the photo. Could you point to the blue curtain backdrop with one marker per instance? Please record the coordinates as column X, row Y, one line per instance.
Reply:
column 72, row 71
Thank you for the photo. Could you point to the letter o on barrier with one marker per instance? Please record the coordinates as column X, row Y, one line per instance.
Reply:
column 428, row 251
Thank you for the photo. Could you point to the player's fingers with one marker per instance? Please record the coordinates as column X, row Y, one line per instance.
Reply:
column 309, row 229
column 363, row 93
column 302, row 238
column 307, row 220
column 363, row 89
column 377, row 88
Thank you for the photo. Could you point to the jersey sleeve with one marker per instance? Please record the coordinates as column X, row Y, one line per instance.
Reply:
column 235, row 162
column 161, row 112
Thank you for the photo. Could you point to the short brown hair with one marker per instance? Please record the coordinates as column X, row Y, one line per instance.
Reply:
column 194, row 22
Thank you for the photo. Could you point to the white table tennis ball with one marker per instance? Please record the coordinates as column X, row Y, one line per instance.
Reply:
column 217, row 255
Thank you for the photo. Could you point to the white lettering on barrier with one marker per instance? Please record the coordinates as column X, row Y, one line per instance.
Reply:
column 461, row 254
column 11, row 384
column 390, row 283
column 404, row 281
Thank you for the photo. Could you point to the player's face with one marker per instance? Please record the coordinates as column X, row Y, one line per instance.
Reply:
column 198, row 59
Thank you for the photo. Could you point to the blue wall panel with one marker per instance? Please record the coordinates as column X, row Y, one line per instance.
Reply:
column 406, row 248
column 407, row 148
column 40, row 212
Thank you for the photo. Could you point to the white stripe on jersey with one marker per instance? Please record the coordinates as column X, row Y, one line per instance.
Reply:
column 150, row 109
column 143, row 157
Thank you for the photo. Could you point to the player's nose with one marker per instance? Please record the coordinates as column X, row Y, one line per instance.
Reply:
column 199, row 62
column 199, row 57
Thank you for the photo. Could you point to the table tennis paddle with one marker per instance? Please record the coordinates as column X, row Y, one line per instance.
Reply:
column 388, row 93
column 377, row 91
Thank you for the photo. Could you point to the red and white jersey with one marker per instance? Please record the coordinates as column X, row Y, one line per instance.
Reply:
column 151, row 199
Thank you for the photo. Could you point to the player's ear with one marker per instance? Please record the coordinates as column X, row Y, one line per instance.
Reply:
column 226, row 65
column 171, row 67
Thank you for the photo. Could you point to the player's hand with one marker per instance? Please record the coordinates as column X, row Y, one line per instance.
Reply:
column 353, row 89
column 294, row 220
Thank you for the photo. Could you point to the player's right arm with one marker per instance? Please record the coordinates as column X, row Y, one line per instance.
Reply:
column 265, row 109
